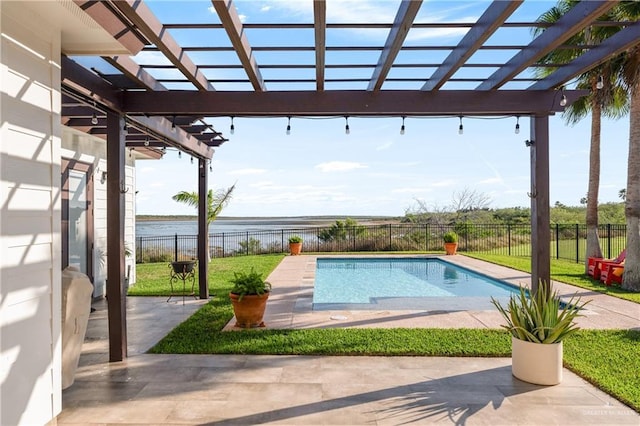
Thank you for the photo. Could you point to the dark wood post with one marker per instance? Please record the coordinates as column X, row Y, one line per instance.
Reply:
column 540, row 219
column 203, row 230
column 116, row 299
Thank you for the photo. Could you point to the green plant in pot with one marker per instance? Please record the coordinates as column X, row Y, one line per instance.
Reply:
column 249, row 298
column 450, row 242
column 538, row 324
column 295, row 245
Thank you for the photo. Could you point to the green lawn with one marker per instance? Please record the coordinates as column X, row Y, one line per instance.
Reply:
column 563, row 271
column 608, row 359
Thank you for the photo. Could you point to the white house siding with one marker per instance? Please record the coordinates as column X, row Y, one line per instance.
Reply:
column 30, row 221
column 93, row 150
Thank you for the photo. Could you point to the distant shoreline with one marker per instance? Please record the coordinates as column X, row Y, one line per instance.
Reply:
column 268, row 219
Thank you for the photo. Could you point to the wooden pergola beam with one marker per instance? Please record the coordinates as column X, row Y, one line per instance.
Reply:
column 341, row 103
column 576, row 19
column 135, row 72
column 407, row 12
column 147, row 23
column 320, row 28
column 487, row 24
column 613, row 46
column 233, row 26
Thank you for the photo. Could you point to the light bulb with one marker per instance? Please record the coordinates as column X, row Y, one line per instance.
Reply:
column 563, row 100
column 179, row 154
column 210, row 168
column 146, row 141
column 173, row 123
column 517, row 125
column 600, row 83
column 232, row 128
column 402, row 127
column 191, row 160
column 94, row 119
column 288, row 126
column 460, row 127
column 346, row 126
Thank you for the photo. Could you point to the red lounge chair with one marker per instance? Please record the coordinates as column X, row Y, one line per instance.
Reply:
column 611, row 273
column 595, row 263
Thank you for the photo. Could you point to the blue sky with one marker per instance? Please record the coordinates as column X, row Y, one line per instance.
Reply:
column 319, row 170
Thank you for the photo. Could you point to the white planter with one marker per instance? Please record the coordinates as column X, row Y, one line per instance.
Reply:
column 536, row 363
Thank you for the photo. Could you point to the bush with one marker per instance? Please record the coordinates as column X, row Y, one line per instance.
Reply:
column 450, row 237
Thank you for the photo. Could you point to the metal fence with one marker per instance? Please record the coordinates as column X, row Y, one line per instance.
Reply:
column 568, row 241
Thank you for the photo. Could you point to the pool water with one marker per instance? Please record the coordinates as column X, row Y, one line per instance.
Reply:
column 403, row 283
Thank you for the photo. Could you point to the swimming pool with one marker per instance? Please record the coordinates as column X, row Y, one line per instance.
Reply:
column 403, row 283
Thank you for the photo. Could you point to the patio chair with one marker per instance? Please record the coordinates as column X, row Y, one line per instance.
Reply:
column 612, row 273
column 595, row 263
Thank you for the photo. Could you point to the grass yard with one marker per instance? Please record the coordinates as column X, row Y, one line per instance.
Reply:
column 561, row 270
column 608, row 359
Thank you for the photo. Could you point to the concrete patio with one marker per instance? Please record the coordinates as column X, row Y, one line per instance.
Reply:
column 309, row 390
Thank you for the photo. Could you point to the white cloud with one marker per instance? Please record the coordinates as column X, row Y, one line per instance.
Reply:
column 249, row 171
column 265, row 8
column 492, row 181
column 410, row 190
column 443, row 183
column 211, row 9
column 339, row 166
column 384, row 146
column 242, row 17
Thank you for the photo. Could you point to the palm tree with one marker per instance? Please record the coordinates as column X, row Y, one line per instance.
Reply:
column 215, row 203
column 630, row 76
column 610, row 100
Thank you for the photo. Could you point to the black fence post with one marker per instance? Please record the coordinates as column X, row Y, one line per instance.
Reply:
column 557, row 241
column 509, row 238
column 577, row 243
column 608, row 241
column 175, row 248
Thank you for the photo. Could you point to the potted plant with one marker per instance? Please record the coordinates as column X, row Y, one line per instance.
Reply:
column 450, row 242
column 249, row 298
column 538, row 324
column 295, row 245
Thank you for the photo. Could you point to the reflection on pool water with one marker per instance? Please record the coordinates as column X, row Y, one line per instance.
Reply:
column 403, row 283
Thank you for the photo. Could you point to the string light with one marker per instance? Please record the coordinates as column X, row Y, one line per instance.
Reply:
column 164, row 150
column 461, row 127
column 563, row 99
column 173, row 123
column 346, row 127
column 179, row 154
column 191, row 160
column 288, row 126
column 600, row 83
column 517, row 124
column 232, row 128
column 124, row 127
column 210, row 167
column 402, row 127
column 94, row 117
column 146, row 141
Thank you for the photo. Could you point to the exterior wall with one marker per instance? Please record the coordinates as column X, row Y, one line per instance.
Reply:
column 93, row 150
column 30, row 221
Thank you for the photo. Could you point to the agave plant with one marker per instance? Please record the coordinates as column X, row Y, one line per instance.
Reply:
column 541, row 318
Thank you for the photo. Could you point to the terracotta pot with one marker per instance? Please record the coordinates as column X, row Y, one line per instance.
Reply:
column 536, row 363
column 295, row 248
column 450, row 248
column 250, row 310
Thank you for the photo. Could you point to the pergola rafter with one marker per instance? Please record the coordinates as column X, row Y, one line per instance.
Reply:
column 148, row 24
column 401, row 25
column 319, row 26
column 231, row 22
column 487, row 24
column 580, row 16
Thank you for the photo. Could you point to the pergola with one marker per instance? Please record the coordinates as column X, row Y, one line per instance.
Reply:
column 135, row 106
